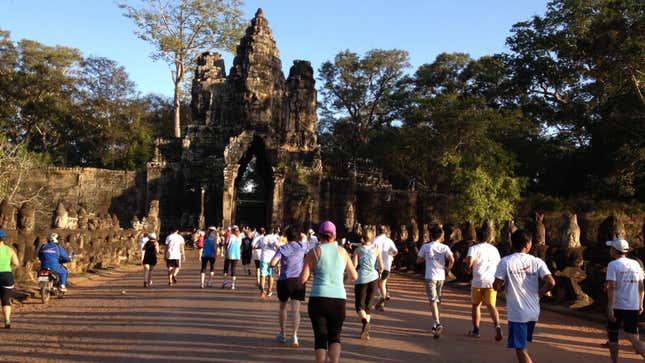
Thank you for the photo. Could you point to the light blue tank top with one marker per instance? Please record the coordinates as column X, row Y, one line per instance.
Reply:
column 328, row 274
column 366, row 262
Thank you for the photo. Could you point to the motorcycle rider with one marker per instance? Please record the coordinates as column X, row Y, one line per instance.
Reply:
column 52, row 256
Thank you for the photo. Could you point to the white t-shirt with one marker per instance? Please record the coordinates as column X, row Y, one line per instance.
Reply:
column 257, row 246
column 387, row 248
column 269, row 244
column 312, row 242
column 435, row 254
column 485, row 259
column 173, row 246
column 522, row 273
column 626, row 273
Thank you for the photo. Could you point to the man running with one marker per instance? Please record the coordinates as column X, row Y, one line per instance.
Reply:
column 388, row 250
column 233, row 252
column 436, row 256
column 625, row 294
column 520, row 274
column 482, row 259
column 174, row 255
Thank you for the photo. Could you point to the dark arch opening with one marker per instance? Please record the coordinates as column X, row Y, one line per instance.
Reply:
column 254, row 188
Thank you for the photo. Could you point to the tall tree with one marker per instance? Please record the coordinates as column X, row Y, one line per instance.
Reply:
column 181, row 29
column 357, row 93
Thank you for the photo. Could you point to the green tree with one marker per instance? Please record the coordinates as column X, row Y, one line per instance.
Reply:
column 181, row 29
column 357, row 94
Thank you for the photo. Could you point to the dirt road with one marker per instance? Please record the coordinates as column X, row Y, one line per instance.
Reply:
column 187, row 324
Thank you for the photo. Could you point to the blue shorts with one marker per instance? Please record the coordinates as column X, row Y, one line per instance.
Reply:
column 519, row 334
column 266, row 269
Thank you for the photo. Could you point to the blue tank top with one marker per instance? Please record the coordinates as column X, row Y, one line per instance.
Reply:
column 234, row 247
column 366, row 264
column 209, row 247
column 328, row 274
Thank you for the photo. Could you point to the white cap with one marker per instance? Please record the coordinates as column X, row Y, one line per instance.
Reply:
column 212, row 228
column 311, row 232
column 152, row 235
column 619, row 245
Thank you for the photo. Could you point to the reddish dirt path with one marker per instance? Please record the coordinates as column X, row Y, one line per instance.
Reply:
column 188, row 324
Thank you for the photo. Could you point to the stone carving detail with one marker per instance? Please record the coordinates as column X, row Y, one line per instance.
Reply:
column 151, row 221
column 27, row 217
column 350, row 216
column 539, row 236
column 414, row 230
column 83, row 219
column 611, row 228
column 470, row 233
column 426, row 233
column 570, row 231
column 7, row 215
column 61, row 218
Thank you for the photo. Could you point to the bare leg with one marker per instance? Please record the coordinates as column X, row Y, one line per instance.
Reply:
column 334, row 353
column 203, row 279
column 494, row 314
column 170, row 275
column 523, row 356
column 146, row 274
column 150, row 274
column 283, row 317
column 262, row 280
column 295, row 310
column 321, row 355
column 6, row 311
column 476, row 315
column 435, row 312
column 270, row 283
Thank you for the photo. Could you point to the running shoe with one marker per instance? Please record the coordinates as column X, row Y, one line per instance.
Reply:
column 224, row 284
column 270, row 293
column 7, row 325
column 365, row 332
column 438, row 330
column 233, row 287
column 145, row 284
column 294, row 342
column 201, row 286
column 474, row 333
column 498, row 333
column 209, row 284
column 281, row 338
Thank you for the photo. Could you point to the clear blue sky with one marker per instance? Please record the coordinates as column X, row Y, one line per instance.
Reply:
column 303, row 29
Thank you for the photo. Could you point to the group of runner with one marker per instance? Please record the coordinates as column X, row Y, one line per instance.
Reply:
column 296, row 255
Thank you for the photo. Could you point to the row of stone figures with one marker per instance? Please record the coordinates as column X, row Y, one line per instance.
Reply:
column 579, row 269
column 24, row 218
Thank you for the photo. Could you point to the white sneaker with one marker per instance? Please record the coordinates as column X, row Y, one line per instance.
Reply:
column 294, row 342
column 63, row 288
column 233, row 287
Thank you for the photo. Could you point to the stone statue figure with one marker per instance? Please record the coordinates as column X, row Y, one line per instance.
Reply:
column 570, row 231
column 415, row 230
column 27, row 217
column 7, row 215
column 426, row 233
column 350, row 216
column 470, row 232
column 611, row 228
column 83, row 219
column 539, row 235
column 62, row 216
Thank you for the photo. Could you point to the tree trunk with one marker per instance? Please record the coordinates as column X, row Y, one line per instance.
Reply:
column 177, row 101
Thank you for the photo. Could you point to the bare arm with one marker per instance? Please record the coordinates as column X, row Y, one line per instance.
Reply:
column 355, row 259
column 379, row 258
column 306, row 268
column 498, row 284
column 16, row 262
column 420, row 260
column 451, row 262
column 274, row 261
column 183, row 252
column 641, row 295
column 611, row 290
column 348, row 264
column 548, row 283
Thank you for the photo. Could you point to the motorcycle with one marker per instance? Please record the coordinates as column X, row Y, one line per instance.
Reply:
column 49, row 284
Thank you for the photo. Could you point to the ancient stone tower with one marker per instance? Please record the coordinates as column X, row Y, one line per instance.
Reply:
column 250, row 155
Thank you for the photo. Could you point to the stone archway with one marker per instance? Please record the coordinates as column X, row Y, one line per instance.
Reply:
column 253, row 193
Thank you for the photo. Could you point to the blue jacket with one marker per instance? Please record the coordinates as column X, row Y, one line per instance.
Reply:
column 51, row 255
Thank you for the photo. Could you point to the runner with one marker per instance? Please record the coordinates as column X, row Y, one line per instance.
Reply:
column 198, row 242
column 257, row 254
column 625, row 294
column 8, row 257
column 149, row 253
column 365, row 258
column 247, row 251
column 435, row 255
column 175, row 255
column 312, row 240
column 290, row 257
column 520, row 275
column 209, row 253
column 233, row 252
column 327, row 300
column 482, row 260
column 388, row 250
column 269, row 246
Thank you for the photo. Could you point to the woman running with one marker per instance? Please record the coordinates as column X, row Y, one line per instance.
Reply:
column 327, row 300
column 247, row 250
column 291, row 257
column 209, row 252
column 233, row 252
column 365, row 258
column 8, row 258
column 150, row 250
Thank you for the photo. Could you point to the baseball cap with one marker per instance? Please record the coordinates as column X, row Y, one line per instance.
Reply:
column 3, row 233
column 235, row 228
column 327, row 227
column 152, row 235
column 311, row 231
column 619, row 245
column 212, row 228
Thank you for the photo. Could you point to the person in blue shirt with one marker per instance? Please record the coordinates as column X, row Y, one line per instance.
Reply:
column 209, row 253
column 52, row 256
column 233, row 254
